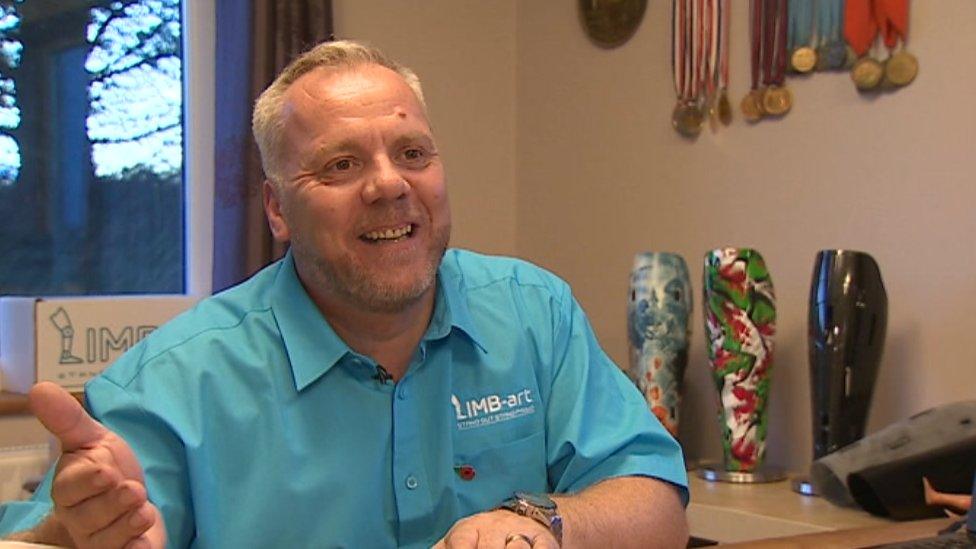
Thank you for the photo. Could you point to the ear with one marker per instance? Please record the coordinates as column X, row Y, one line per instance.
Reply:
column 272, row 208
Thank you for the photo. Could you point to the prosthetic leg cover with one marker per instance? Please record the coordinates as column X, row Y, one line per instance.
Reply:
column 950, row 429
column 894, row 489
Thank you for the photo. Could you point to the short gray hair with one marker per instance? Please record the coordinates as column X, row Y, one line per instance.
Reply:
column 267, row 122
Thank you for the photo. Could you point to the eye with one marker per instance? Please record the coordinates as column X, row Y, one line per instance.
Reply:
column 340, row 166
column 415, row 157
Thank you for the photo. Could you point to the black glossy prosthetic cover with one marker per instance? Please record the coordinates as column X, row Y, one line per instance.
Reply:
column 846, row 332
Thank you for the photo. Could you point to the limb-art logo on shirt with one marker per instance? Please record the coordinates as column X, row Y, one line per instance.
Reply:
column 491, row 409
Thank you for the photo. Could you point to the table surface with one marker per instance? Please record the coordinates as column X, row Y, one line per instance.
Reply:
column 16, row 404
column 12, row 404
column 732, row 513
column 853, row 538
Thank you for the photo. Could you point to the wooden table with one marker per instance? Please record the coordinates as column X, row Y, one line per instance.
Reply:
column 731, row 513
column 13, row 404
column 854, row 538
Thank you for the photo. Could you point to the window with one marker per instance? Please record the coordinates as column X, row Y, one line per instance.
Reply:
column 92, row 135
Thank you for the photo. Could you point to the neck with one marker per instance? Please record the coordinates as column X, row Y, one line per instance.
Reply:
column 389, row 338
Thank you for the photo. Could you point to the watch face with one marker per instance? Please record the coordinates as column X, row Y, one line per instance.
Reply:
column 536, row 500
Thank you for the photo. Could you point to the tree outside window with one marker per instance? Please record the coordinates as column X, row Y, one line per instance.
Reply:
column 91, row 147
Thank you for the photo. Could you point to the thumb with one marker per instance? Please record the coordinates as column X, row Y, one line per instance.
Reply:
column 64, row 417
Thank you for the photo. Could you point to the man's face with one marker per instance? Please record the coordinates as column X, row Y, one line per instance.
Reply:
column 362, row 197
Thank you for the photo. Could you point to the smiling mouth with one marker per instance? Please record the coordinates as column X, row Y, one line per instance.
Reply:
column 389, row 235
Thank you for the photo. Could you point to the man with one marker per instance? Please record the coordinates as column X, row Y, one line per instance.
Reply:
column 371, row 389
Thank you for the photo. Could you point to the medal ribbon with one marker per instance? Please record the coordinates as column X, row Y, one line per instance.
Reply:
column 801, row 23
column 774, row 42
column 892, row 20
column 782, row 53
column 860, row 25
column 678, row 53
column 698, row 46
column 712, row 31
column 757, row 10
column 768, row 41
column 723, row 17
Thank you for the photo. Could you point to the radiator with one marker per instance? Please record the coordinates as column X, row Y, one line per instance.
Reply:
column 18, row 465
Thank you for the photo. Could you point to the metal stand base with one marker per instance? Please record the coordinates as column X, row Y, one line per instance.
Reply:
column 715, row 472
column 803, row 486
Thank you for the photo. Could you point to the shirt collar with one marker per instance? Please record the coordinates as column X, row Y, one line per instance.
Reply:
column 312, row 345
column 451, row 308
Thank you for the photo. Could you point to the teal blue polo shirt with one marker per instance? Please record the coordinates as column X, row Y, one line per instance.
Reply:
column 257, row 426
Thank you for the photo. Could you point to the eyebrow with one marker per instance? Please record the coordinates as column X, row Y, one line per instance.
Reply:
column 323, row 154
column 414, row 137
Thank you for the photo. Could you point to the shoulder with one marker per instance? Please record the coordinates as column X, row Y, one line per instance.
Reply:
column 474, row 271
column 223, row 316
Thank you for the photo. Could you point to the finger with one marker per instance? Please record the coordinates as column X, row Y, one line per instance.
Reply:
column 154, row 537
column 63, row 416
column 126, row 529
column 494, row 538
column 545, row 541
column 79, row 478
column 100, row 512
column 462, row 538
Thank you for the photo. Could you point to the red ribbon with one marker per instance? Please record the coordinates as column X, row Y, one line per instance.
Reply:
column 863, row 19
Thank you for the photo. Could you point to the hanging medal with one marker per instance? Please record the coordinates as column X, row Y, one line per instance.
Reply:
column 751, row 104
column 686, row 117
column 803, row 57
column 724, row 107
column 901, row 67
column 777, row 100
column 861, row 31
column 709, row 74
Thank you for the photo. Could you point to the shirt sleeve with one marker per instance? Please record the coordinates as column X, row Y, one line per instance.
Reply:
column 18, row 516
column 598, row 424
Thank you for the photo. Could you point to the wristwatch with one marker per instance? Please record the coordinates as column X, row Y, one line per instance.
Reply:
column 538, row 507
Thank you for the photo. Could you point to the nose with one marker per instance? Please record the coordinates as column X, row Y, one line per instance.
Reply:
column 385, row 184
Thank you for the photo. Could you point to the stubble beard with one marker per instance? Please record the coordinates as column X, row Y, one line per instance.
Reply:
column 357, row 284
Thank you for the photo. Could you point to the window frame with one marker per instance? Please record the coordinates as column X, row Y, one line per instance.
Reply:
column 199, row 49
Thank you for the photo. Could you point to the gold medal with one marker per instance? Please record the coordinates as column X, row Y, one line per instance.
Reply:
column 687, row 119
column 901, row 68
column 777, row 100
column 866, row 73
column 724, row 108
column 751, row 107
column 804, row 59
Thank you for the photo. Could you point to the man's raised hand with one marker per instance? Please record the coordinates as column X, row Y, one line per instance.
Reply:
column 99, row 489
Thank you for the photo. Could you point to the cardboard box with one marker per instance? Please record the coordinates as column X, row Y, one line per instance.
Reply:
column 68, row 340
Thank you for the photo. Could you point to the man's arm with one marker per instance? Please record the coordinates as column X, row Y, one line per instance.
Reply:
column 622, row 512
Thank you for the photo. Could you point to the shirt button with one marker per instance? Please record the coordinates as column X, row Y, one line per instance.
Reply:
column 402, row 392
column 412, row 482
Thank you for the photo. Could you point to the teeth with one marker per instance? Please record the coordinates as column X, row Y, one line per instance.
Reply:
column 389, row 234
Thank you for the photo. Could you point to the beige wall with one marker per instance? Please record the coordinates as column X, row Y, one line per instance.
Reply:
column 602, row 175
column 464, row 53
column 563, row 153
